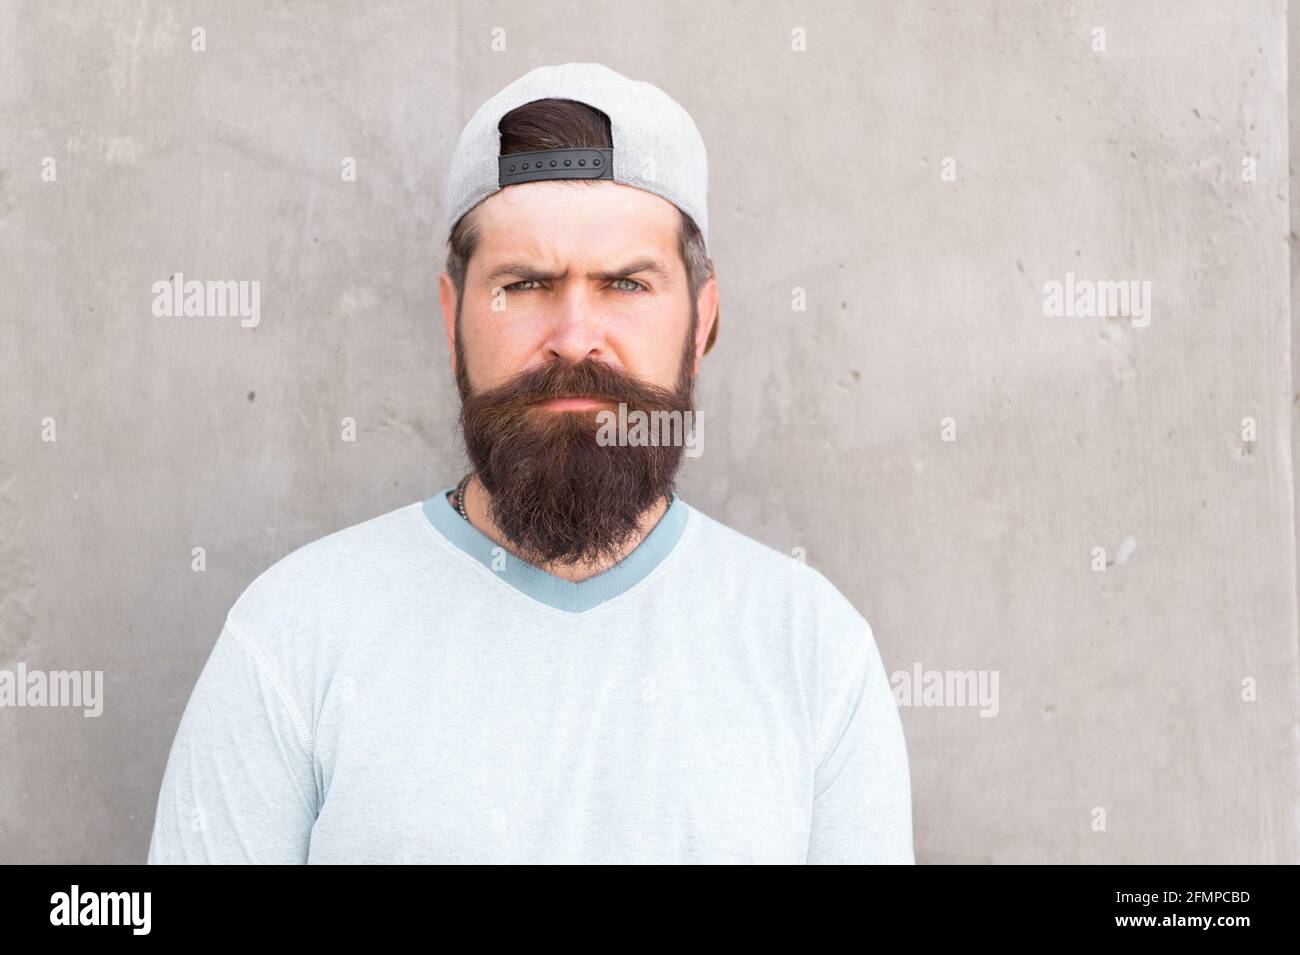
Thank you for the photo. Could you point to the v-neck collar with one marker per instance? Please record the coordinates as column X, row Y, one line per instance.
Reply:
column 545, row 587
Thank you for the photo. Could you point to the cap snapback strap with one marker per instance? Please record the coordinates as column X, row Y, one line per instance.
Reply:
column 555, row 164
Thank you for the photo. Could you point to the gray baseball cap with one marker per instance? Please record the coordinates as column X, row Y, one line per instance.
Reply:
column 656, row 146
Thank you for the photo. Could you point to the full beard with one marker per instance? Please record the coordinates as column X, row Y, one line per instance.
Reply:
column 557, row 494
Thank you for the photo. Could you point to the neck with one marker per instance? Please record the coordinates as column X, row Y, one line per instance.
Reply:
column 477, row 507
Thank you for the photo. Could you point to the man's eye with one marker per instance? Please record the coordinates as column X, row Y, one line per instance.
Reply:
column 635, row 286
column 518, row 286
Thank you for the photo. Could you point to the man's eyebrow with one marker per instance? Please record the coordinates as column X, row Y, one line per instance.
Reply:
column 523, row 272
column 636, row 266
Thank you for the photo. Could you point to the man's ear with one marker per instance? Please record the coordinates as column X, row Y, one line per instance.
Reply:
column 706, row 304
column 447, row 297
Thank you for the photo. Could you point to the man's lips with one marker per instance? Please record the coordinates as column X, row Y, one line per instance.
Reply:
column 573, row 403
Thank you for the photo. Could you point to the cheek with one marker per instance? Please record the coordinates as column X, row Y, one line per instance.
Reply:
column 652, row 349
column 494, row 347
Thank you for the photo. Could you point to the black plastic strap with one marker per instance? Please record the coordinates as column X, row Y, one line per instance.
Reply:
column 555, row 164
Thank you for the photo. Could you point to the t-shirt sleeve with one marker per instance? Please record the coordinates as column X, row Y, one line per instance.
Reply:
column 239, row 786
column 862, row 796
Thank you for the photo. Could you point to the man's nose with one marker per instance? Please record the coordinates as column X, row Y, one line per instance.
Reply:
column 577, row 328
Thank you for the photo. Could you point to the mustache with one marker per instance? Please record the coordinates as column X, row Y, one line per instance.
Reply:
column 588, row 378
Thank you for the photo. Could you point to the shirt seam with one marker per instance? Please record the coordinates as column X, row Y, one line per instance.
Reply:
column 268, row 671
column 855, row 675
column 660, row 568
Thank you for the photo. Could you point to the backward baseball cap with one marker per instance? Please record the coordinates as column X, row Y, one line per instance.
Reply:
column 656, row 146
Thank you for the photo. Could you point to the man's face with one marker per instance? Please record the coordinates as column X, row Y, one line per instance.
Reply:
column 576, row 299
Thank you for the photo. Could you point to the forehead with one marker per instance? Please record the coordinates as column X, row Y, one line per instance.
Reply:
column 576, row 221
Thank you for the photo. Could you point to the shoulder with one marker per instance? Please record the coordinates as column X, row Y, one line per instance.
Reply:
column 831, row 638
column 715, row 537
column 770, row 569
column 769, row 574
column 331, row 572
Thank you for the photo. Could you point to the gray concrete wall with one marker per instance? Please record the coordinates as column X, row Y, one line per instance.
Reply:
column 1118, row 690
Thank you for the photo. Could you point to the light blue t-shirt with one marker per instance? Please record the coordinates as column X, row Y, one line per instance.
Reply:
column 406, row 691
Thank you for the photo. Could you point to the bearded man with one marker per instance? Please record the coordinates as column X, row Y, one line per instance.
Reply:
column 554, row 659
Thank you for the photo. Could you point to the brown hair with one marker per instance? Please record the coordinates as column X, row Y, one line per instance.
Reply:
column 567, row 124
